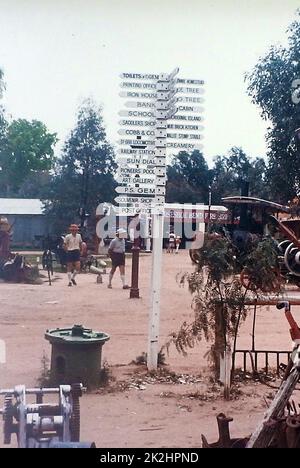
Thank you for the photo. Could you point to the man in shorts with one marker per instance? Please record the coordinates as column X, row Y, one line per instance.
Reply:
column 116, row 251
column 72, row 245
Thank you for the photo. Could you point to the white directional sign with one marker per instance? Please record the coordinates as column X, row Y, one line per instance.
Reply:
column 143, row 171
column 137, row 190
column 137, row 123
column 187, row 146
column 139, row 161
column 132, row 210
column 138, row 94
column 135, row 132
column 181, row 108
column 136, row 85
column 177, row 126
column 138, row 153
column 140, row 104
column 185, row 136
column 190, row 99
column 139, row 76
column 184, row 90
column 187, row 118
column 183, row 81
column 127, row 199
column 140, row 114
column 133, row 180
column 142, row 143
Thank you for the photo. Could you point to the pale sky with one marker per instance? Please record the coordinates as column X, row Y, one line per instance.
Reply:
column 54, row 53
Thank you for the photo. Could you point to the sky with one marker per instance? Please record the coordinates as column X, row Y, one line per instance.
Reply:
column 55, row 53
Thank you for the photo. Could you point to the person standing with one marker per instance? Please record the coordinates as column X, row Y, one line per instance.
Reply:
column 177, row 243
column 171, row 245
column 72, row 245
column 116, row 251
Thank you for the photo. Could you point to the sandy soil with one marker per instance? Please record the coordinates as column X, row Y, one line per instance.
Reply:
column 134, row 410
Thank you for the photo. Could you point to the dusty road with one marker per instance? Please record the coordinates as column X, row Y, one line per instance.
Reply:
column 140, row 412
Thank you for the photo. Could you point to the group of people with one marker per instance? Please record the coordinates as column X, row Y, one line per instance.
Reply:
column 75, row 248
column 174, row 243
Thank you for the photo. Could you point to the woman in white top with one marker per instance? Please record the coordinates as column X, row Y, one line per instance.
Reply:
column 72, row 245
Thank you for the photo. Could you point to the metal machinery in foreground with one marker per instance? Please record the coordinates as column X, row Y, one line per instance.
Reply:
column 43, row 425
column 280, row 426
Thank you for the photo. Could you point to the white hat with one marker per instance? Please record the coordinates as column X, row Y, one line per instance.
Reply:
column 121, row 231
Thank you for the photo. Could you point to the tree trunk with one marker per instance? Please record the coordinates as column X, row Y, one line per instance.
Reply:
column 220, row 343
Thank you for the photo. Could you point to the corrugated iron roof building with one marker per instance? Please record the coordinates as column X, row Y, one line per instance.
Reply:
column 28, row 220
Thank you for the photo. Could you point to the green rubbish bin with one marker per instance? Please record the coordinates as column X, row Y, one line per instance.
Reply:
column 76, row 355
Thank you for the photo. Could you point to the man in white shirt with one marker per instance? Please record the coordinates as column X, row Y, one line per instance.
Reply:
column 72, row 245
column 116, row 251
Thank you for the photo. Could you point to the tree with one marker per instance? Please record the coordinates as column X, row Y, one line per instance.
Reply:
column 84, row 174
column 188, row 178
column 273, row 85
column 3, row 123
column 230, row 172
column 27, row 149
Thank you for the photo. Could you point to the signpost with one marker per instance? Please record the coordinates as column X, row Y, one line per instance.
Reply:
column 161, row 115
column 157, row 228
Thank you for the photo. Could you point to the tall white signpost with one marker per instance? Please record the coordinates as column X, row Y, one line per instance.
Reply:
column 161, row 115
column 164, row 110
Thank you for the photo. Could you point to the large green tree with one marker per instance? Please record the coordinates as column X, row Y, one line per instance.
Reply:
column 233, row 170
column 27, row 152
column 188, row 178
column 273, row 85
column 84, row 174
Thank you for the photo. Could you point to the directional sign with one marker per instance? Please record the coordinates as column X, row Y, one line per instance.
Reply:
column 188, row 146
column 137, row 123
column 185, row 90
column 183, row 108
column 190, row 99
column 135, row 132
column 185, row 136
column 133, row 180
column 138, row 161
column 137, row 190
column 140, row 114
column 177, row 127
column 138, row 94
column 135, row 152
column 139, row 76
column 144, row 171
column 140, row 104
column 183, row 81
column 135, row 85
column 187, row 118
column 173, row 73
column 128, row 199
column 131, row 210
column 137, row 143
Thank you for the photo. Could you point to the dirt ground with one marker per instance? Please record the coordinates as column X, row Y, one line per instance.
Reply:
column 134, row 410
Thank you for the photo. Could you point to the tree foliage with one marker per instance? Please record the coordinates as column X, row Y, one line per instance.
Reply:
column 84, row 173
column 219, row 298
column 27, row 151
column 273, row 85
column 189, row 177
column 232, row 170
